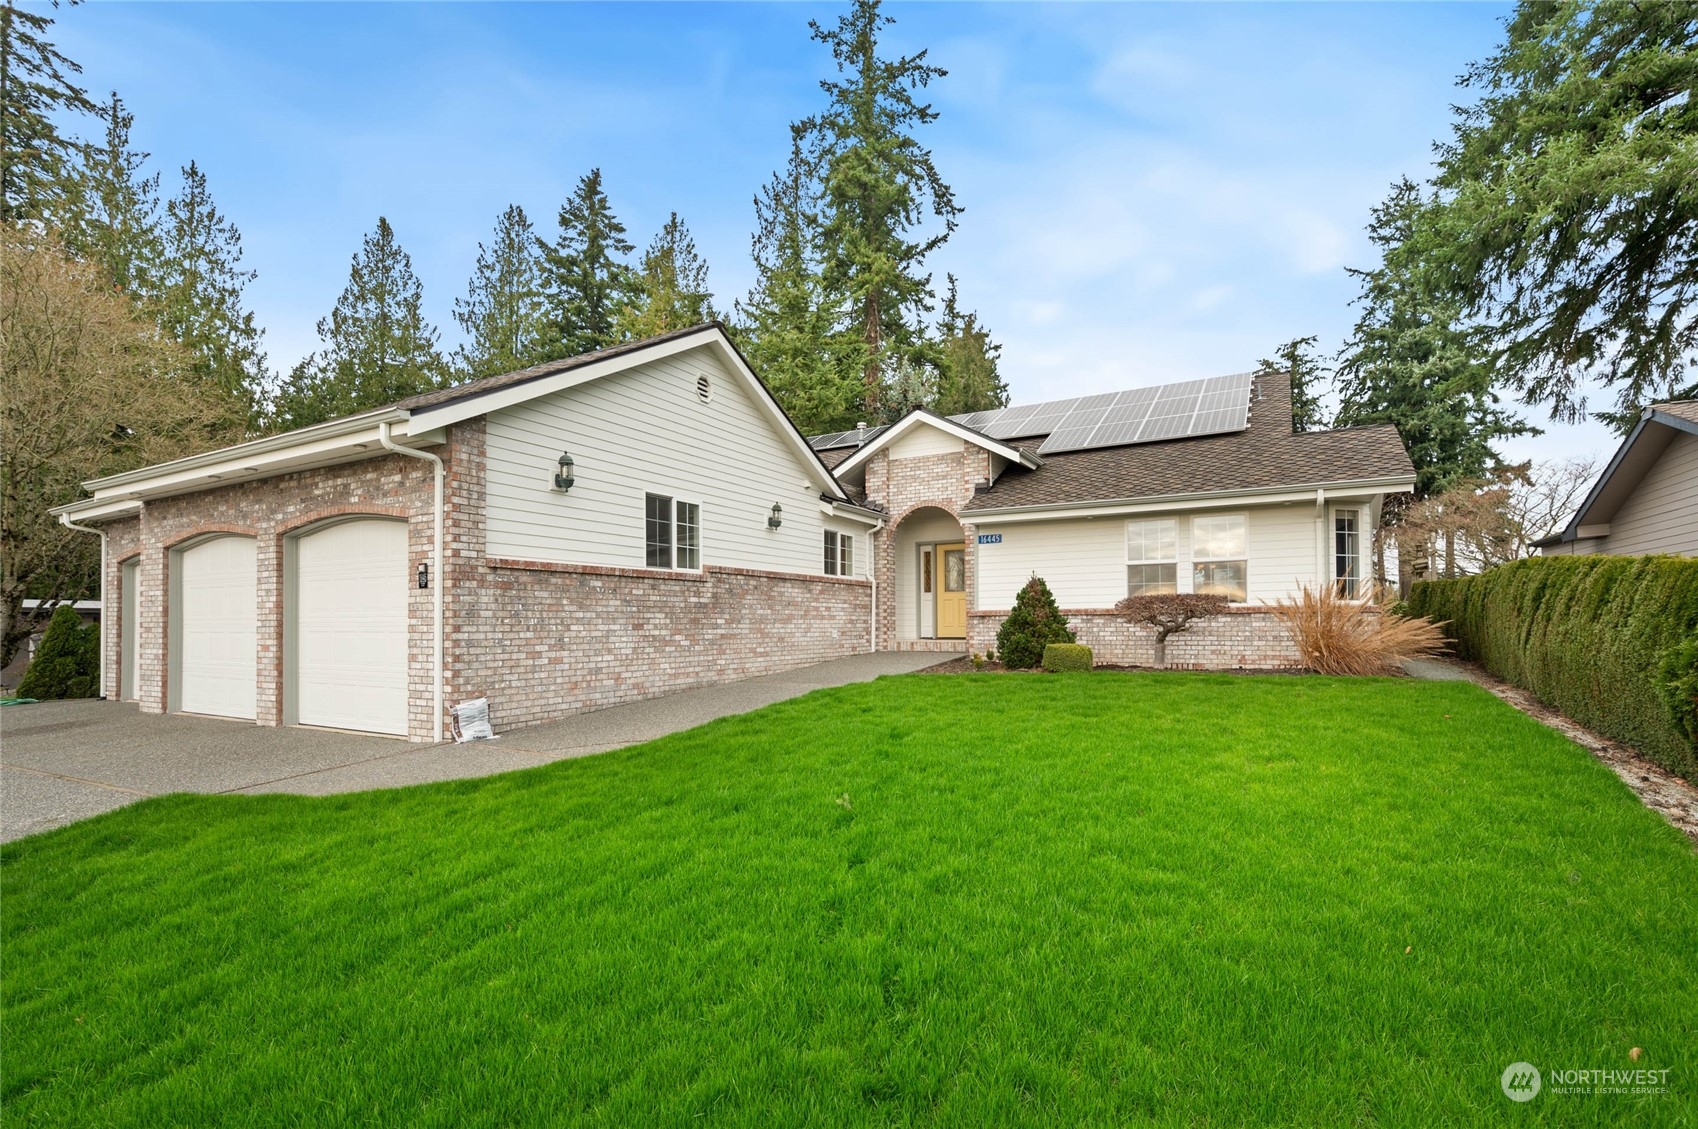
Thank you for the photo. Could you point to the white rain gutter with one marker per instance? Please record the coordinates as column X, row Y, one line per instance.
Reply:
column 384, row 437
column 65, row 520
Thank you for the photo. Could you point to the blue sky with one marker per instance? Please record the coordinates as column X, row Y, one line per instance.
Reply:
column 1152, row 191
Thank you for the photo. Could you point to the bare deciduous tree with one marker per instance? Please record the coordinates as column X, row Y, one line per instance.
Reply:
column 1476, row 525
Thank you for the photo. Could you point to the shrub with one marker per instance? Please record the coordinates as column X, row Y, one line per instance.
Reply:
column 1034, row 624
column 67, row 663
column 1335, row 635
column 1610, row 641
column 1169, row 613
column 1060, row 657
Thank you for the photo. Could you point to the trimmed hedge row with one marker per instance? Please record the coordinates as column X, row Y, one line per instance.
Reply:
column 1610, row 641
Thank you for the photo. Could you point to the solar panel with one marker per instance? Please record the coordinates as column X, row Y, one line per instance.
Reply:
column 1148, row 415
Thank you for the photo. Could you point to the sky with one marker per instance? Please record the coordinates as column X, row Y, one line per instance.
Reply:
column 1152, row 192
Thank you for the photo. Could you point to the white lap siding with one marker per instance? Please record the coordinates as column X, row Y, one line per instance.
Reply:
column 1084, row 560
column 1661, row 515
column 646, row 431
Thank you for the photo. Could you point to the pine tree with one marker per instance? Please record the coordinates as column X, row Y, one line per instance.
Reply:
column 502, row 312
column 1296, row 359
column 115, row 220
column 790, row 326
column 878, row 185
column 585, row 280
column 1033, row 624
column 199, row 300
column 968, row 380
column 378, row 348
column 35, row 87
column 670, row 289
column 1411, row 361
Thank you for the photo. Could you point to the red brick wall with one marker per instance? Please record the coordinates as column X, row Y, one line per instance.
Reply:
column 1251, row 638
column 902, row 486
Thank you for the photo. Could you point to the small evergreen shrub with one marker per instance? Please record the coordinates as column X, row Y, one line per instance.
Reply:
column 1034, row 624
column 1060, row 657
column 67, row 663
column 1610, row 641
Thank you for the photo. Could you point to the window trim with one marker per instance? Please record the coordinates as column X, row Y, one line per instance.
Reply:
column 672, row 525
column 839, row 553
column 676, row 524
column 1135, row 562
column 1198, row 559
column 1362, row 588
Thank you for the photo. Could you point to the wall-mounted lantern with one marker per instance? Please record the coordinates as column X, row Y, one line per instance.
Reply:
column 776, row 518
column 563, row 477
column 424, row 575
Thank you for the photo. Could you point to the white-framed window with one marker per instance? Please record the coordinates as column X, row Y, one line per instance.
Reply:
column 1152, row 556
column 1220, row 552
column 672, row 533
column 1347, row 552
column 839, row 553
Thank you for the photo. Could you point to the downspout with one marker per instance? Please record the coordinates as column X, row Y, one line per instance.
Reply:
column 872, row 574
column 65, row 520
column 384, row 437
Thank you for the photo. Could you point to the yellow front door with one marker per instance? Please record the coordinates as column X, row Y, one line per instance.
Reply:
column 951, row 588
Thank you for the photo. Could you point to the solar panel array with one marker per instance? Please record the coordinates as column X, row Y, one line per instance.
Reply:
column 1185, row 410
column 1114, row 419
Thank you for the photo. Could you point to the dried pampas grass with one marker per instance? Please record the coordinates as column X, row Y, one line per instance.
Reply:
column 1335, row 635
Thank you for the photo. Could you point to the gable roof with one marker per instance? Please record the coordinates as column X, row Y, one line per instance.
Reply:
column 921, row 417
column 1265, row 455
column 1657, row 427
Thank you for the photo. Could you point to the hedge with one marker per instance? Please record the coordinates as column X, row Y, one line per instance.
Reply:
column 1067, row 656
column 1610, row 641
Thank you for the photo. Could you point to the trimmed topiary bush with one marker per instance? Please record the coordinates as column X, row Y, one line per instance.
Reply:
column 1034, row 624
column 67, row 663
column 1060, row 657
column 1610, row 641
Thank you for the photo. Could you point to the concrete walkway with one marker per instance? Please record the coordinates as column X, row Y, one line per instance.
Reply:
column 65, row 761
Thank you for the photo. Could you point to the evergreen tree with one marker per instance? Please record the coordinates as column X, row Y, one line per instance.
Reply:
column 502, row 312
column 1412, row 362
column 199, row 299
column 968, row 380
column 115, row 220
column 790, row 325
column 35, row 86
column 878, row 185
column 378, row 348
column 585, row 280
column 670, row 290
column 1033, row 624
column 67, row 662
column 1296, row 358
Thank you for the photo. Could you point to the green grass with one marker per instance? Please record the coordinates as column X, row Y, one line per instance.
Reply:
column 981, row 900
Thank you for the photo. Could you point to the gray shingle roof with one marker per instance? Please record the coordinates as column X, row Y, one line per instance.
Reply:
column 1682, row 409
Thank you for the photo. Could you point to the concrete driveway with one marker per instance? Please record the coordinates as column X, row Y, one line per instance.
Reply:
column 65, row 761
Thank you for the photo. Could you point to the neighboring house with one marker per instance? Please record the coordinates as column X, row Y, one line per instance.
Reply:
column 87, row 610
column 646, row 519
column 1194, row 487
column 1646, row 501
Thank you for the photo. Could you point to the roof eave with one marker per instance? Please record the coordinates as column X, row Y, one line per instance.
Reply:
column 1390, row 485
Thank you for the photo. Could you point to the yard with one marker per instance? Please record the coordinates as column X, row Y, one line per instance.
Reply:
column 971, row 900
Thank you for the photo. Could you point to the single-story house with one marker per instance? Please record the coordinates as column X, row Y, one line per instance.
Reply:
column 1646, row 500
column 646, row 518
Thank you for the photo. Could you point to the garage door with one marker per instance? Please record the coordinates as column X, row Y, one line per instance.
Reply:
column 215, row 628
column 350, row 627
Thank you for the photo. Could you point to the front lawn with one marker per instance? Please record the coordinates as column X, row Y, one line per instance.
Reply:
column 976, row 900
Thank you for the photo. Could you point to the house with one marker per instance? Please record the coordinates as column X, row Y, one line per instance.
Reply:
column 1646, row 500
column 646, row 519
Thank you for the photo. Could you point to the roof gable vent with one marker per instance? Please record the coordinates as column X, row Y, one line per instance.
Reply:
column 704, row 389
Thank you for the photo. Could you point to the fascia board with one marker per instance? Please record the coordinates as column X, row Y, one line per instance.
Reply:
column 1334, row 491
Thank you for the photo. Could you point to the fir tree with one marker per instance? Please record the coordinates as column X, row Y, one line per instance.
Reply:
column 790, row 325
column 36, row 86
column 502, row 312
column 1296, row 359
column 199, row 299
column 670, row 290
column 378, row 348
column 1412, row 362
column 585, row 280
column 878, row 186
column 115, row 220
column 968, row 380
column 67, row 662
column 1034, row 623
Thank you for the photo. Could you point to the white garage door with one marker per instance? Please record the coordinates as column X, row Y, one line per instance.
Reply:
column 350, row 628
column 215, row 598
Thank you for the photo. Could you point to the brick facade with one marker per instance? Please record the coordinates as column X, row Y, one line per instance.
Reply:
column 903, row 487
column 1247, row 638
column 540, row 641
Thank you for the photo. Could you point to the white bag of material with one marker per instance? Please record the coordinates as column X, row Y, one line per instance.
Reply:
column 471, row 721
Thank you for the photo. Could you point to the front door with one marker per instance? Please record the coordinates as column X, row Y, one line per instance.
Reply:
column 951, row 589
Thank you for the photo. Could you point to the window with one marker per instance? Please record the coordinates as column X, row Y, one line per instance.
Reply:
column 1347, row 552
column 839, row 554
column 672, row 533
column 1152, row 557
column 955, row 570
column 1219, row 552
column 926, row 572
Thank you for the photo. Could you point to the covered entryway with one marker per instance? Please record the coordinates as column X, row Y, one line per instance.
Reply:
column 931, row 579
column 213, row 637
column 346, row 629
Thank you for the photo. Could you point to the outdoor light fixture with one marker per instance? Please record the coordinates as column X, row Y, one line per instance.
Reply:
column 563, row 477
column 776, row 518
column 424, row 575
